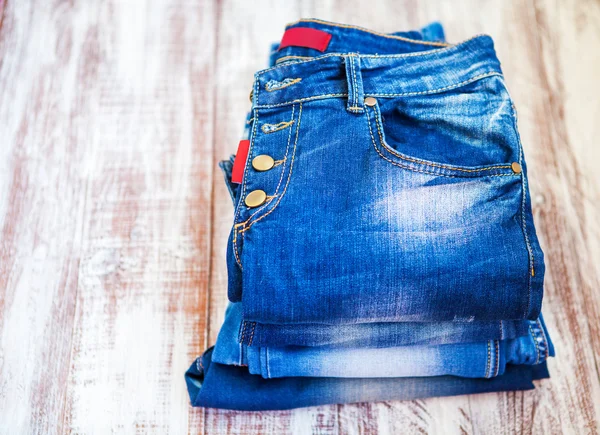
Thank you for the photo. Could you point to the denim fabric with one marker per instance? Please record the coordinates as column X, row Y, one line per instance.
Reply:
column 415, row 196
column 381, row 334
column 396, row 246
column 483, row 359
column 216, row 385
column 353, row 40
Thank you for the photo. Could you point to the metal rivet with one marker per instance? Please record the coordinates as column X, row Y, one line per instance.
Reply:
column 370, row 101
column 251, row 94
column 263, row 162
column 516, row 167
column 255, row 198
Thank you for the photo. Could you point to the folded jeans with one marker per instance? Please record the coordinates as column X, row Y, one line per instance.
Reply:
column 421, row 193
column 485, row 359
column 215, row 385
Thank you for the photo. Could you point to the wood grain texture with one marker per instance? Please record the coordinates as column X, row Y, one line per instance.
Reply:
column 114, row 215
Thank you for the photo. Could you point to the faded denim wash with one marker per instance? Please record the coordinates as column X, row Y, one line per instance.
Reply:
column 422, row 195
column 214, row 385
column 485, row 359
column 379, row 334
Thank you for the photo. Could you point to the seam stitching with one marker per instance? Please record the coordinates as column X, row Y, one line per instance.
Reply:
column 497, row 357
column 489, row 359
column 415, row 169
column 244, row 183
column 544, row 339
column 401, row 94
column 373, row 32
column 290, row 83
column 423, row 162
column 376, row 56
column 537, row 348
column 523, row 222
column 276, row 127
column 288, row 179
column 280, row 177
column 252, row 333
column 284, row 58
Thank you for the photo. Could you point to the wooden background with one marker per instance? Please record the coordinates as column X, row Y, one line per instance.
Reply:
column 114, row 215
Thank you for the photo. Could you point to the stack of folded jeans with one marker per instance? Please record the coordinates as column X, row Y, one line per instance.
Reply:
column 383, row 244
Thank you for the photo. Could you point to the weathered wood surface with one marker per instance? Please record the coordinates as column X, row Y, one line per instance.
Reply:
column 114, row 216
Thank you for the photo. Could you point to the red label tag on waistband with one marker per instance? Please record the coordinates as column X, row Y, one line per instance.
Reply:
column 305, row 37
column 237, row 173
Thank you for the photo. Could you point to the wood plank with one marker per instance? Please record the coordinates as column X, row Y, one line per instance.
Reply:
column 41, row 201
column 141, row 302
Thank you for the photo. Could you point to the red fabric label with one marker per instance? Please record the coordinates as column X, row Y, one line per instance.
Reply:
column 305, row 37
column 237, row 173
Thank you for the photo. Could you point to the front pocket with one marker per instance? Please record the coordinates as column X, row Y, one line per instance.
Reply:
column 464, row 132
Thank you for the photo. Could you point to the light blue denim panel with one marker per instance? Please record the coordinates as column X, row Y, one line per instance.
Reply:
column 469, row 360
column 483, row 359
column 370, row 335
column 414, row 209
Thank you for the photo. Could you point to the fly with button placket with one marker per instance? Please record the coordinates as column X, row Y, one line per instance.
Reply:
column 272, row 145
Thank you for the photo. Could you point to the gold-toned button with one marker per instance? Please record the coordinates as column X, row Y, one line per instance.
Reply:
column 516, row 167
column 251, row 94
column 370, row 101
column 255, row 198
column 263, row 162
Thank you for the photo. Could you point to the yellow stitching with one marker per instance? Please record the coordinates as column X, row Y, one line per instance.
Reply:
column 489, row 358
column 235, row 250
column 276, row 127
column 282, row 172
column 423, row 162
column 537, row 349
column 373, row 56
column 281, row 59
column 243, row 190
column 290, row 83
column 544, row 338
column 279, row 162
column 362, row 29
column 524, row 196
column 497, row 357
column 405, row 94
column 414, row 169
column 352, row 66
column 250, row 121
column 250, row 150
column 301, row 100
column 435, row 91
column 289, row 175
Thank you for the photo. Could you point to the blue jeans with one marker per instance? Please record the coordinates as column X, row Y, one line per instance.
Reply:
column 399, row 192
column 398, row 215
column 378, row 334
column 485, row 359
column 216, row 385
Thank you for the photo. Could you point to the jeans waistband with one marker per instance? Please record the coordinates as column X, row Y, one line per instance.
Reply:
column 339, row 75
column 360, row 40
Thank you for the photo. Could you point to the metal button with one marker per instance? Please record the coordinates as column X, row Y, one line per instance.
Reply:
column 255, row 198
column 516, row 167
column 251, row 94
column 263, row 162
column 370, row 101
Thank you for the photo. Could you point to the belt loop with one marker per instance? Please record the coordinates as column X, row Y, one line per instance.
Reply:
column 356, row 94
